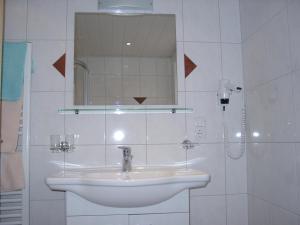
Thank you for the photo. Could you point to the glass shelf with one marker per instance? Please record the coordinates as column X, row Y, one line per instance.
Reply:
column 124, row 110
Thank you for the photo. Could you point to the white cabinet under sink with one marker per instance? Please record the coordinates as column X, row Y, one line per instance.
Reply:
column 98, row 220
column 142, row 196
column 174, row 211
column 144, row 219
column 159, row 219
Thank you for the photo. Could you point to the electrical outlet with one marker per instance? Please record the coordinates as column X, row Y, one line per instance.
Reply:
column 200, row 128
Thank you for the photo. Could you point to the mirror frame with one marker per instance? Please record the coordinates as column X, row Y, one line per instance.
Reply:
column 92, row 8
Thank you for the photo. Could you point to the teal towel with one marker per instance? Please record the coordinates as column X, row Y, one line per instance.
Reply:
column 13, row 70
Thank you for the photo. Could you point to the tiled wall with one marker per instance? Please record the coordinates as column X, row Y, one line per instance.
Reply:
column 271, row 58
column 208, row 32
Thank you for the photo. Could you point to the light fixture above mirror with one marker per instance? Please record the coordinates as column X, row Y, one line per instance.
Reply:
column 123, row 6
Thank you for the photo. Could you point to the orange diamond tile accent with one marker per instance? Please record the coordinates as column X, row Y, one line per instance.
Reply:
column 189, row 66
column 60, row 65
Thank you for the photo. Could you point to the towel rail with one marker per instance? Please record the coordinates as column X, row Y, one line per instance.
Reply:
column 11, row 193
column 17, row 203
column 11, row 206
column 11, row 223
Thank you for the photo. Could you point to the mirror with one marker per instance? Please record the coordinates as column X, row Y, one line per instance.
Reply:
column 125, row 59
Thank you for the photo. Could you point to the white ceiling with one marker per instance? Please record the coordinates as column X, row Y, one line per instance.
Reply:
column 106, row 35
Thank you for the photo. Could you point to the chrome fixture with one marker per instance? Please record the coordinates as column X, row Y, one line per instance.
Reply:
column 127, row 158
column 187, row 144
column 226, row 88
column 62, row 143
column 123, row 6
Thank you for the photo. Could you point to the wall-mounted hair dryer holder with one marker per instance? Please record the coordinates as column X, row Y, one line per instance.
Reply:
column 226, row 88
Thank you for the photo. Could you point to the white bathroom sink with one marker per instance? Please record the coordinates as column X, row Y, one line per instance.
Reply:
column 137, row 188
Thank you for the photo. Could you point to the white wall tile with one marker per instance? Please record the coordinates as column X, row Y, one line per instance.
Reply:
column 149, row 86
column 165, row 128
column 165, row 86
column 47, row 19
column 130, row 66
column 263, row 173
column 132, row 126
column 262, row 212
column 114, row 86
column 279, row 216
column 254, row 54
column 44, row 55
column 208, row 210
column 293, row 17
column 237, row 209
column 96, row 85
column 297, row 156
column 296, row 94
column 98, row 100
column 265, row 109
column 161, row 155
column 69, row 79
column 232, row 63
column 236, row 170
column 131, row 86
column 258, row 211
column 147, row 66
column 209, row 158
column 47, row 212
column 44, row 163
column 45, row 119
column 15, row 20
column 255, row 13
column 207, row 113
column 163, row 67
column 78, row 6
column 267, row 52
column 207, row 74
column 113, row 65
column 86, row 156
column 201, row 20
column 96, row 65
column 230, row 21
column 171, row 7
column 90, row 129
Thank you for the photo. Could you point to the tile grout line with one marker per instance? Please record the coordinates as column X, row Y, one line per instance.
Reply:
column 223, row 115
column 273, row 204
column 263, row 24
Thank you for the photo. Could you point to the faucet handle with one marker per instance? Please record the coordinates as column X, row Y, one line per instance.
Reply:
column 124, row 147
column 126, row 150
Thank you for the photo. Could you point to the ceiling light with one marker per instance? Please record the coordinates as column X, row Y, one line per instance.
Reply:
column 128, row 43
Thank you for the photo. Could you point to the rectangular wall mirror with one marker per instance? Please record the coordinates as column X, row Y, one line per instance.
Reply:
column 125, row 59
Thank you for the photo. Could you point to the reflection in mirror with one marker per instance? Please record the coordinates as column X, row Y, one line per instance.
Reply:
column 125, row 59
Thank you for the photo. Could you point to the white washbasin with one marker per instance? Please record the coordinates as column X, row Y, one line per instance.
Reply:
column 140, row 187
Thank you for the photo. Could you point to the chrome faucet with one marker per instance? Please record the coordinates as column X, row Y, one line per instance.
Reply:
column 127, row 158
